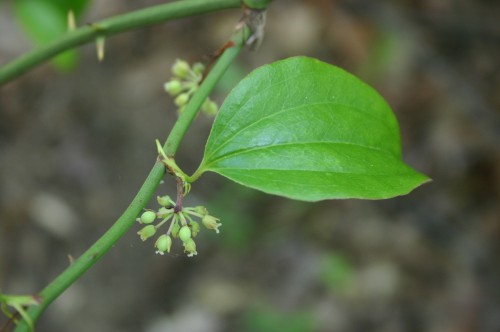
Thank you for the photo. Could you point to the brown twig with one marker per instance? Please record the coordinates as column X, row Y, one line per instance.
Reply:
column 180, row 195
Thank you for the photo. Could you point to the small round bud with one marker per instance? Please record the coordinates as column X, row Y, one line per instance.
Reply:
column 175, row 229
column 210, row 107
column 165, row 200
column 190, row 247
column 210, row 222
column 163, row 244
column 181, row 99
column 184, row 233
column 195, row 228
column 148, row 217
column 200, row 209
column 147, row 232
column 198, row 68
column 181, row 68
column 173, row 87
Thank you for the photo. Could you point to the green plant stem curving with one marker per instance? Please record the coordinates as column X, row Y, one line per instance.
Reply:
column 127, row 219
column 257, row 4
column 111, row 26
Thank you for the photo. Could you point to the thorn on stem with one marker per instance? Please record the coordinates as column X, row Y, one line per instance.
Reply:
column 100, row 44
column 71, row 21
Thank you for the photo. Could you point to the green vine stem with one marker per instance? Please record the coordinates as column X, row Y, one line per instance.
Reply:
column 111, row 26
column 127, row 219
column 257, row 4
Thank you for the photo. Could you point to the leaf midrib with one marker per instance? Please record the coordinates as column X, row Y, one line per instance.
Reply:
column 244, row 151
column 230, row 138
column 392, row 174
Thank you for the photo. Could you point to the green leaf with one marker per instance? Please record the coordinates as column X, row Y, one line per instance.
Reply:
column 44, row 22
column 77, row 6
column 307, row 130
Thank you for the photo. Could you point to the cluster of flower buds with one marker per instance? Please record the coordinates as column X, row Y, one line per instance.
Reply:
column 182, row 225
column 184, row 84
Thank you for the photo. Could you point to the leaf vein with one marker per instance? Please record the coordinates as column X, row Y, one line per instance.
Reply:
column 244, row 151
column 230, row 138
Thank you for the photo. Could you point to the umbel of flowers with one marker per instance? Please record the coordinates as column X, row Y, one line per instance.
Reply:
column 182, row 225
column 184, row 83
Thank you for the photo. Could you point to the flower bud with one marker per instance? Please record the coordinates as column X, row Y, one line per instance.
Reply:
column 175, row 229
column 198, row 68
column 200, row 209
column 181, row 68
column 195, row 228
column 210, row 107
column 184, row 233
column 173, row 87
column 181, row 99
column 190, row 248
column 165, row 200
column 164, row 243
column 148, row 217
column 147, row 232
column 210, row 222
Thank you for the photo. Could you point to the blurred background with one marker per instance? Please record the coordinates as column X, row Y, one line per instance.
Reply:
column 77, row 140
